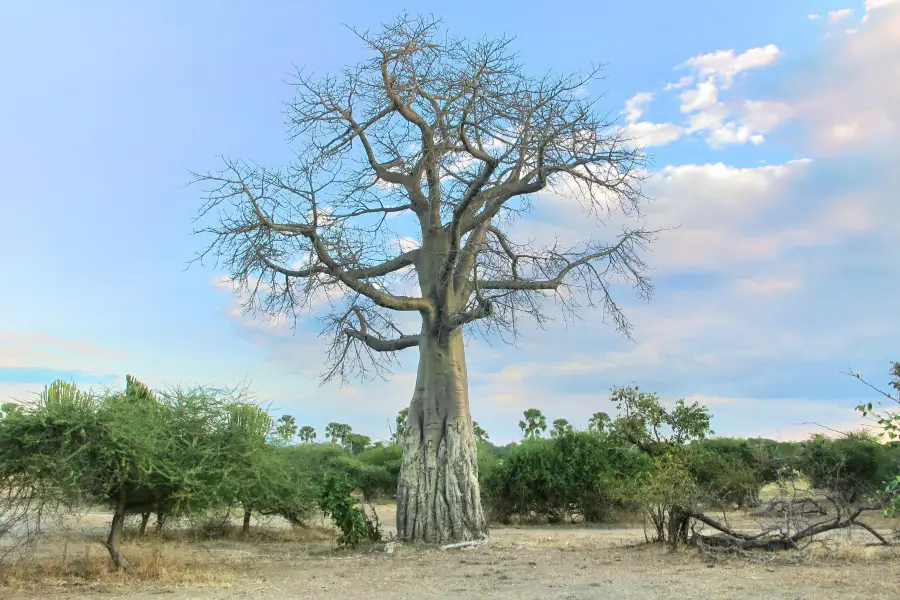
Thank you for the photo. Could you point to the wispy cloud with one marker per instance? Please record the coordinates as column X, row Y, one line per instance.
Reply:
column 38, row 375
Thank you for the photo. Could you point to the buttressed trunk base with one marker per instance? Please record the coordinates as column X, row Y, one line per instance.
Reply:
column 438, row 496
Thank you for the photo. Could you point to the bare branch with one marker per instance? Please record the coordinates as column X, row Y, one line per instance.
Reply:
column 446, row 142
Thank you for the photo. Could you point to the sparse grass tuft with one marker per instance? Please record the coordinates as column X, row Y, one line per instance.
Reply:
column 159, row 562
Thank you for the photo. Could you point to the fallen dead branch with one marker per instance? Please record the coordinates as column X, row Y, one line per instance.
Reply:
column 801, row 506
column 775, row 538
column 479, row 542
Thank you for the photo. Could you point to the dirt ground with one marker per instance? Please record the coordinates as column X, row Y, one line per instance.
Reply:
column 561, row 562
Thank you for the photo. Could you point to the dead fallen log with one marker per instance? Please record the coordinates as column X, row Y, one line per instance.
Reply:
column 773, row 539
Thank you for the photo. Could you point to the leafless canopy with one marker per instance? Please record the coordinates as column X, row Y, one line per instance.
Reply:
column 409, row 170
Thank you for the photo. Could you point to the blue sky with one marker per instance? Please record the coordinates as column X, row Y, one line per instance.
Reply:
column 773, row 125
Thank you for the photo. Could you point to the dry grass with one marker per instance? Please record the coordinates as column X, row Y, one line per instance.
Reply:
column 559, row 561
column 81, row 565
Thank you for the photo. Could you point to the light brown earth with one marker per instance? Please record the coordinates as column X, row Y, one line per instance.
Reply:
column 561, row 562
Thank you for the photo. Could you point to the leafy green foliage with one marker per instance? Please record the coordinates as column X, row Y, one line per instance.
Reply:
column 664, row 492
column 855, row 466
column 400, row 425
column 338, row 432
column 561, row 427
column 731, row 471
column 383, row 464
column 478, row 431
column 887, row 418
column 307, row 434
column 286, row 429
column 534, row 423
column 347, row 513
column 599, row 422
column 649, row 426
column 355, row 443
column 574, row 473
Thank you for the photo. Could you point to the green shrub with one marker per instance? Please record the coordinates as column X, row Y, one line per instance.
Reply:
column 731, row 470
column 665, row 492
column 347, row 513
column 854, row 466
column 382, row 465
column 488, row 461
column 577, row 473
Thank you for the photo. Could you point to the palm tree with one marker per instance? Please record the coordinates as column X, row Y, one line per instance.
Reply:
column 534, row 424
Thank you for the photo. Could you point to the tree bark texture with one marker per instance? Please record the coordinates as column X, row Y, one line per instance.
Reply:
column 438, row 496
column 113, row 542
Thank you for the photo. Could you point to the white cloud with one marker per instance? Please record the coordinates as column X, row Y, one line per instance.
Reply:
column 644, row 132
column 752, row 119
column 763, row 116
column 705, row 95
column 653, row 134
column 729, row 122
column 836, row 16
column 709, row 194
column 732, row 133
column 682, row 82
column 634, row 106
column 876, row 4
column 855, row 101
column 725, row 64
column 768, row 285
column 739, row 123
column 813, row 16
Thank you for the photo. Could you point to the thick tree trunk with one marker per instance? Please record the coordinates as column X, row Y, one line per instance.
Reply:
column 679, row 526
column 113, row 542
column 438, row 496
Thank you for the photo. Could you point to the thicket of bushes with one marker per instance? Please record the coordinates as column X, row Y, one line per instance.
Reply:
column 179, row 453
column 205, row 453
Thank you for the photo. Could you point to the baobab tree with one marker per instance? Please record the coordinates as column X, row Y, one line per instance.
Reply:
column 437, row 146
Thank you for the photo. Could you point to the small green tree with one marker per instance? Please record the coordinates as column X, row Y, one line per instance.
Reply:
column 338, row 432
column 644, row 422
column 664, row 492
column 400, row 426
column 561, row 427
column 854, row 466
column 347, row 513
column 662, row 434
column 286, row 429
column 247, row 428
column 598, row 422
column 129, row 450
column 307, row 434
column 355, row 443
column 478, row 431
column 534, row 423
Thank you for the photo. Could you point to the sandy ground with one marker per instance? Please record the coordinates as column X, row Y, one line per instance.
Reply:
column 565, row 562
